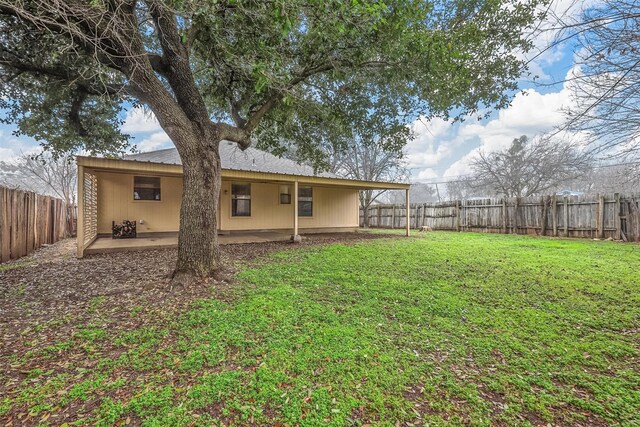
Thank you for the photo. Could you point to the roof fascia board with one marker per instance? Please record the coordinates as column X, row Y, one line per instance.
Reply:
column 171, row 169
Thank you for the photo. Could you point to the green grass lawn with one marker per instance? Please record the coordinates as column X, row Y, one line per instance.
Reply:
column 441, row 328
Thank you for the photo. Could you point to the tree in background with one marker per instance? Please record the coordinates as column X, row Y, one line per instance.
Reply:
column 43, row 174
column 424, row 193
column 232, row 70
column 370, row 162
column 606, row 85
column 56, row 175
column 420, row 193
column 529, row 167
column 465, row 188
column 609, row 178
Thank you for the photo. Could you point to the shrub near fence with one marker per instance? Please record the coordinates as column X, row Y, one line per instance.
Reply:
column 29, row 220
column 590, row 216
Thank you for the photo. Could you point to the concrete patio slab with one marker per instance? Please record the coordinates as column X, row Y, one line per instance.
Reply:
column 108, row 245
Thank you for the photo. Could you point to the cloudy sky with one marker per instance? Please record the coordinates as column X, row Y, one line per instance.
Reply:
column 441, row 149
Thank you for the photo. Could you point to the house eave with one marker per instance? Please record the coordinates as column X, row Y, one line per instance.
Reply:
column 130, row 166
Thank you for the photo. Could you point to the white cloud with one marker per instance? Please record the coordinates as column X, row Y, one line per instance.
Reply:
column 150, row 136
column 7, row 155
column 461, row 167
column 426, row 174
column 425, row 151
column 442, row 149
column 530, row 113
column 155, row 141
column 140, row 121
column 11, row 148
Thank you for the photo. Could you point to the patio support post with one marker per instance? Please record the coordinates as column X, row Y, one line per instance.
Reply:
column 80, row 218
column 408, row 213
column 295, row 237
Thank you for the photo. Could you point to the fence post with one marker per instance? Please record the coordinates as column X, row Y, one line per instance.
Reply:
column 543, row 225
column 80, row 220
column 554, row 212
column 601, row 217
column 5, row 236
column 378, row 218
column 566, row 216
column 504, row 216
column 515, row 217
column 393, row 216
column 31, row 236
column 36, row 234
column 13, row 219
column 408, row 212
column 458, row 214
column 616, row 216
column 411, row 213
column 635, row 210
column 415, row 221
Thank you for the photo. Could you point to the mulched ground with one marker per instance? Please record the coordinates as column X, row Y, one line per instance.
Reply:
column 45, row 296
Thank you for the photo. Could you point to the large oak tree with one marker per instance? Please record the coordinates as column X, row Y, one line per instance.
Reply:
column 275, row 70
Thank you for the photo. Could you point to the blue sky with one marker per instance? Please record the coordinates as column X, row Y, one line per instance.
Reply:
column 441, row 150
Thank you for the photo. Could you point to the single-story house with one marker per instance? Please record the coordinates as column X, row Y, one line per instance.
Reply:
column 260, row 193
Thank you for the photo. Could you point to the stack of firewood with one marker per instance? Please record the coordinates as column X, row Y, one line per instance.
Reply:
column 126, row 230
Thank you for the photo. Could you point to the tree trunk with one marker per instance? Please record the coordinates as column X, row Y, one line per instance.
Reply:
column 365, row 202
column 198, row 252
column 365, row 215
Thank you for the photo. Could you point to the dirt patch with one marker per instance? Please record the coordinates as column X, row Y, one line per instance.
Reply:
column 421, row 407
column 497, row 400
column 588, row 418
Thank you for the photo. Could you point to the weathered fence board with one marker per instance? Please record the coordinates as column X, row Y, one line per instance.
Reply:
column 29, row 220
column 602, row 216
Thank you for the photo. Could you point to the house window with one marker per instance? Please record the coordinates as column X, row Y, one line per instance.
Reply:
column 305, row 201
column 146, row 188
column 240, row 199
column 285, row 195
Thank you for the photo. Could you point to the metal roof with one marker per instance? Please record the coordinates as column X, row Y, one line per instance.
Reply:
column 233, row 158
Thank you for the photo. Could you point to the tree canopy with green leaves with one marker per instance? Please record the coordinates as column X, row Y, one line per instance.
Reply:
column 243, row 70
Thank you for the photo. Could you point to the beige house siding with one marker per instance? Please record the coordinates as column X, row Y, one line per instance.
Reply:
column 332, row 207
column 115, row 203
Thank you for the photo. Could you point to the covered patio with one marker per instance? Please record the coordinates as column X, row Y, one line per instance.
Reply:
column 262, row 199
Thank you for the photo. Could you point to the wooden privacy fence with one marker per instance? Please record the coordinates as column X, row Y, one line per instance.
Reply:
column 29, row 220
column 614, row 216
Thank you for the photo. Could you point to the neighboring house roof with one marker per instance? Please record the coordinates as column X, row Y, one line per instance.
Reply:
column 233, row 158
column 569, row 193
